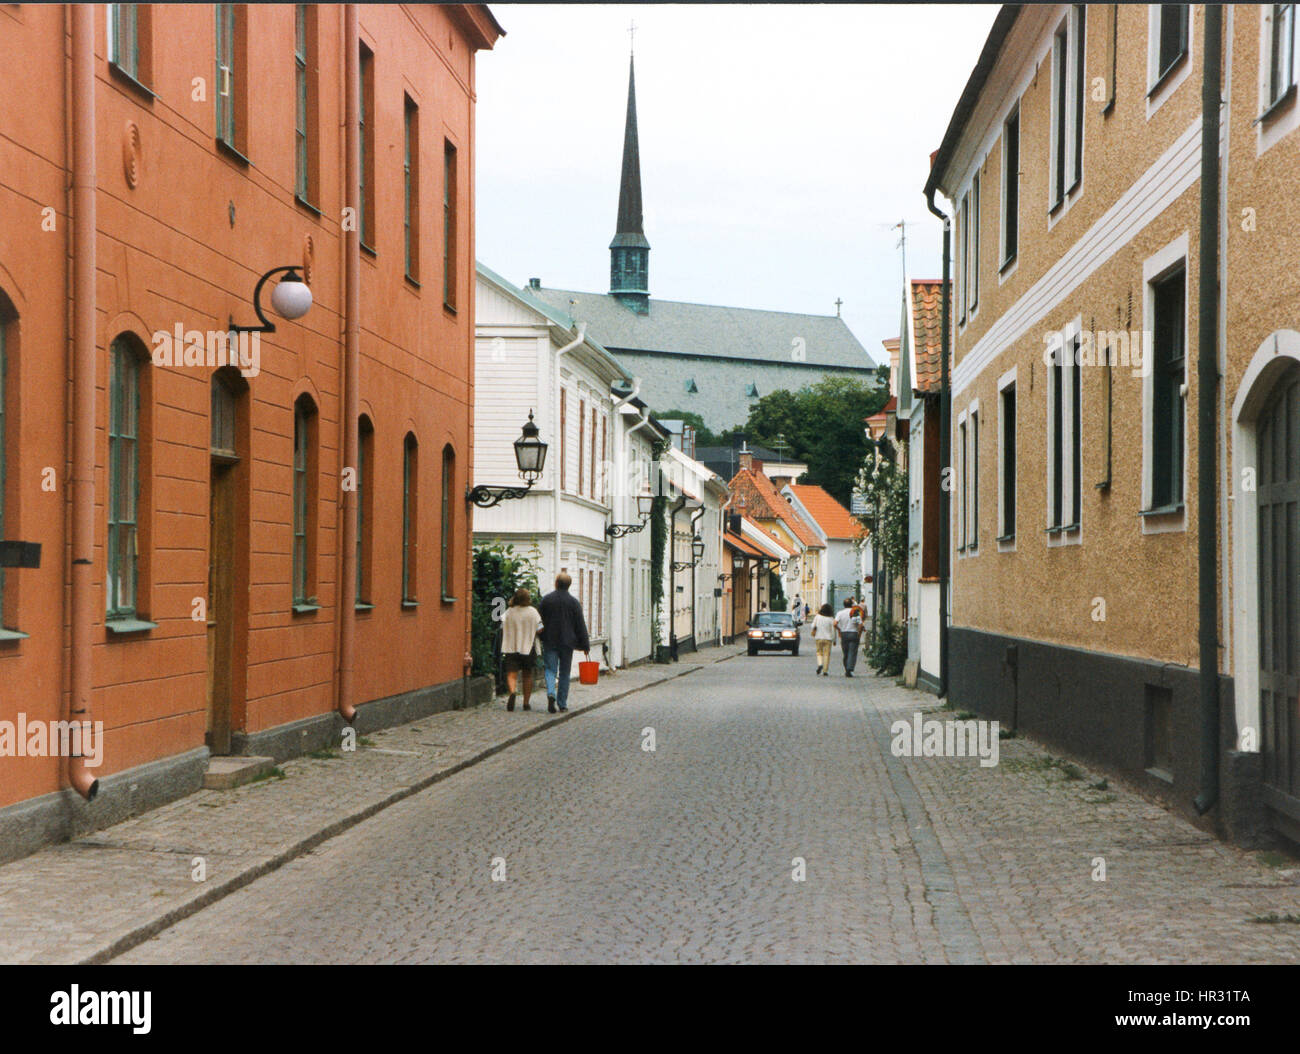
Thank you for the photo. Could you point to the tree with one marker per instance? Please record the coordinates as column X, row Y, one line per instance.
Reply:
column 822, row 425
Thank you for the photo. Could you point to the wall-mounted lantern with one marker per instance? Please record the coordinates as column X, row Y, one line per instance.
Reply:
column 290, row 299
column 530, row 457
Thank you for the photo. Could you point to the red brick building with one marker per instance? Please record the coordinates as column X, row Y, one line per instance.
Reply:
column 232, row 555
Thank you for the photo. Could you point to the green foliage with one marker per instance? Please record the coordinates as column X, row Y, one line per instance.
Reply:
column 658, row 549
column 822, row 425
column 888, row 651
column 775, row 592
column 885, row 489
column 498, row 572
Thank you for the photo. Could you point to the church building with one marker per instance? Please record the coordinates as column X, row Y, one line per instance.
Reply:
column 701, row 358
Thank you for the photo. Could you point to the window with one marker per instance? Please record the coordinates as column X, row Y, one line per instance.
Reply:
column 963, row 228
column 751, row 390
column 365, row 499
column 1168, row 377
column 582, row 442
column 975, row 480
column 410, row 517
column 1067, row 106
column 1281, row 52
column 306, row 176
column 1169, row 36
column 963, row 533
column 123, row 480
column 222, row 439
column 1065, row 444
column 4, row 326
column 591, row 493
column 304, row 503
column 564, row 439
column 604, row 455
column 449, row 226
column 367, row 167
column 448, row 523
column 232, row 107
column 1010, row 186
column 1007, row 463
column 973, row 249
column 128, row 36
column 690, row 385
column 411, row 185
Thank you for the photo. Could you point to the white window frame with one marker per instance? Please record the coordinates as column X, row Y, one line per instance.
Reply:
column 972, row 470
column 1070, row 530
column 1066, row 65
column 1007, row 261
column 960, row 460
column 1278, row 117
column 963, row 231
column 1156, row 99
column 1006, row 545
column 1154, row 268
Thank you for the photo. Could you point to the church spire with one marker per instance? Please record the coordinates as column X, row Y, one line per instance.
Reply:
column 629, row 252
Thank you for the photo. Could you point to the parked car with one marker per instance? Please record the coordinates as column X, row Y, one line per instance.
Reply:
column 773, row 631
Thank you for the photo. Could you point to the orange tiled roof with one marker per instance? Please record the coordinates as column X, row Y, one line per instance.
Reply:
column 927, row 327
column 832, row 517
column 764, row 503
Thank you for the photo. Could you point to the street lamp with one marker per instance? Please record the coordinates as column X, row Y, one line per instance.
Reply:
column 291, row 299
column 697, row 551
column 530, row 457
column 644, row 506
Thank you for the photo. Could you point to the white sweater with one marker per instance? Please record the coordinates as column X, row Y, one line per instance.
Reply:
column 823, row 628
column 519, row 630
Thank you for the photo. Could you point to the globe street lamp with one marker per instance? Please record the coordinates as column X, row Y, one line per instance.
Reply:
column 530, row 457
column 291, row 299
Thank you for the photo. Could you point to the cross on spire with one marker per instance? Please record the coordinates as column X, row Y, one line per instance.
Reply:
column 838, row 302
column 631, row 33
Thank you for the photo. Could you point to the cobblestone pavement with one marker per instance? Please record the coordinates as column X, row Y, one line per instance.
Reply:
column 607, row 852
column 88, row 898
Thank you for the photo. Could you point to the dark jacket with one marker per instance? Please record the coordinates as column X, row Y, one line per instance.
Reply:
column 562, row 623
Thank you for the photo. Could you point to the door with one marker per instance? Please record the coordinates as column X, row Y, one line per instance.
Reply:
column 1279, row 597
column 221, row 608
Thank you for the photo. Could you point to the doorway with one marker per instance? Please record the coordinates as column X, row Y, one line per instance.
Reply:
column 226, row 616
column 1278, row 446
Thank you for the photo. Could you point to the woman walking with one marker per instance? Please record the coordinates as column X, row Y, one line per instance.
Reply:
column 823, row 631
column 519, row 631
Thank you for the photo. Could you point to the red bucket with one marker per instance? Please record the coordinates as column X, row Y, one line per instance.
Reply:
column 588, row 672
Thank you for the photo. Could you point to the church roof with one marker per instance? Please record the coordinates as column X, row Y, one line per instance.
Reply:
column 674, row 327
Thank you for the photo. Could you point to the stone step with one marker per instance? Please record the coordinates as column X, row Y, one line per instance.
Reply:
column 227, row 773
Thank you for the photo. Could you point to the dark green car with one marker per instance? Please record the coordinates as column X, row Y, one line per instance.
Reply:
column 773, row 631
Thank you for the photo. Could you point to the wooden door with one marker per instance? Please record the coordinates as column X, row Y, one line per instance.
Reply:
column 221, row 607
column 1279, row 595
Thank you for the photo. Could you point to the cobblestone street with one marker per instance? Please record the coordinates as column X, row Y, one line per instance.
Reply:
column 603, row 851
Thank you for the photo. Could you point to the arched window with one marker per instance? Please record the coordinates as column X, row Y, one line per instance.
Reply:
column 305, row 481
column 128, row 483
column 365, row 496
column 448, row 523
column 410, row 518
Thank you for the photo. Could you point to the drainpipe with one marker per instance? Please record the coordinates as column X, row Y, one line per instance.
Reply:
column 1207, row 381
column 945, row 445
column 696, row 516
column 84, row 354
column 626, row 618
column 351, row 365
column 672, row 575
column 617, row 585
column 582, row 335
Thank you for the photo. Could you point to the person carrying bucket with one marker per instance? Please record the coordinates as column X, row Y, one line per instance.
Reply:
column 563, row 630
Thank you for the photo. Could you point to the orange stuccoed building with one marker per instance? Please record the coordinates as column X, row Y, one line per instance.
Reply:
column 249, row 495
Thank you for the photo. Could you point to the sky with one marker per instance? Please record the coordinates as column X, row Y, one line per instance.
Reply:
column 780, row 146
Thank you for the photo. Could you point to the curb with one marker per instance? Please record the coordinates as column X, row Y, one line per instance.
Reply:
column 250, row 875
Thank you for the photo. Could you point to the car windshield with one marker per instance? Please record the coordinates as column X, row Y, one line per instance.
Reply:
column 773, row 618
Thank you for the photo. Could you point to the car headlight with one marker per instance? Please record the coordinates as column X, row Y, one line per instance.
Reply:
column 755, row 632
column 788, row 633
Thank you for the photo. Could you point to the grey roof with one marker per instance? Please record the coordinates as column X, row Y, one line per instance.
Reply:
column 678, row 328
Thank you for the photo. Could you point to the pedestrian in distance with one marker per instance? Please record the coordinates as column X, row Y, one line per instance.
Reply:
column 823, row 631
column 563, row 630
column 519, row 629
column 848, row 629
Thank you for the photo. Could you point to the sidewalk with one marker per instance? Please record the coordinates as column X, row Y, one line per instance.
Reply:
column 88, row 900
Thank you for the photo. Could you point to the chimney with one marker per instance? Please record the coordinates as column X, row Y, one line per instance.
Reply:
column 746, row 458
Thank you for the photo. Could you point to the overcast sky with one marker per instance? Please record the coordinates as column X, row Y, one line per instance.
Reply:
column 779, row 146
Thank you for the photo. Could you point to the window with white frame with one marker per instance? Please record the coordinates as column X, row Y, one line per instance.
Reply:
column 973, row 251
column 974, row 476
column 1168, row 39
column 963, row 503
column 1281, row 52
column 1064, row 434
column 1067, row 106
column 1007, row 458
column 1010, row 186
column 1168, row 392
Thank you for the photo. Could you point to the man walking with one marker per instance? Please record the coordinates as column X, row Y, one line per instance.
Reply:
column 848, row 628
column 563, row 630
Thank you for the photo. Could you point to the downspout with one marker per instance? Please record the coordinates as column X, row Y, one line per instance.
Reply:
column 84, row 354
column 696, row 516
column 1207, row 381
column 945, row 445
column 645, row 420
column 351, row 362
column 617, row 584
column 555, row 400
column 672, row 575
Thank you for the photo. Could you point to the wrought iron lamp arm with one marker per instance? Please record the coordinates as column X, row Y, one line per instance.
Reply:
column 267, row 326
